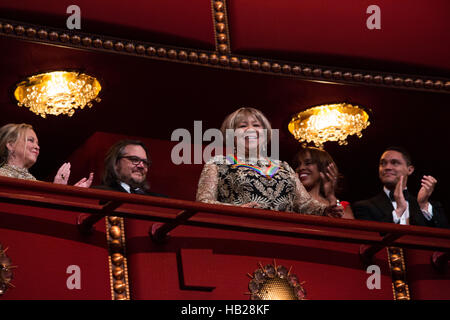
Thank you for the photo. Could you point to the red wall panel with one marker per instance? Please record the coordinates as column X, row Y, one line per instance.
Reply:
column 214, row 265
column 43, row 243
column 424, row 281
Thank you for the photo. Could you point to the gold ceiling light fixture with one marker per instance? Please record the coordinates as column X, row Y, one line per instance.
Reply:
column 59, row 92
column 331, row 122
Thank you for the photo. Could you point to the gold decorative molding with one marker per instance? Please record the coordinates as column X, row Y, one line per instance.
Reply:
column 221, row 26
column 397, row 265
column 118, row 266
column 216, row 59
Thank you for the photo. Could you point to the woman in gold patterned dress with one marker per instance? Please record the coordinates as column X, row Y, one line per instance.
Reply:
column 249, row 179
column 19, row 150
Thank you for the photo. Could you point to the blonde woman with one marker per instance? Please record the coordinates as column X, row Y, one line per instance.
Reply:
column 248, row 178
column 19, row 150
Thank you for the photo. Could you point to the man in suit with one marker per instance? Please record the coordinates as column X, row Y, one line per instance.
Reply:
column 395, row 203
column 126, row 167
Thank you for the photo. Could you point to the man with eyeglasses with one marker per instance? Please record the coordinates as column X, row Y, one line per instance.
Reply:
column 126, row 167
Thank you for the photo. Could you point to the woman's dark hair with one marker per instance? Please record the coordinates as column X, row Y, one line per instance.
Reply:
column 406, row 155
column 319, row 157
column 113, row 155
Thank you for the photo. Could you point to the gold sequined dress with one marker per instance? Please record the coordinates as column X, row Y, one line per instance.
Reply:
column 12, row 171
column 235, row 183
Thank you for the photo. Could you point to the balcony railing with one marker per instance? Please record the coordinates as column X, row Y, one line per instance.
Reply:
column 90, row 205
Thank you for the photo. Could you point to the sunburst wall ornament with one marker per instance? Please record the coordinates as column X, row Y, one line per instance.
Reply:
column 331, row 122
column 59, row 92
column 274, row 282
column 6, row 273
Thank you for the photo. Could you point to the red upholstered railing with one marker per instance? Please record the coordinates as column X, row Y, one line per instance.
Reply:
column 171, row 211
column 38, row 221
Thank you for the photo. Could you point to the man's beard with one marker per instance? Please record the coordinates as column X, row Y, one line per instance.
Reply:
column 134, row 183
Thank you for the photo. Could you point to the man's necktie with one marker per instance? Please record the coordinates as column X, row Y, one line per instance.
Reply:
column 137, row 191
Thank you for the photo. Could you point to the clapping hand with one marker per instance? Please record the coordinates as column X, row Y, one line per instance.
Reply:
column 399, row 197
column 63, row 174
column 428, row 183
column 85, row 182
column 334, row 211
column 329, row 180
column 250, row 205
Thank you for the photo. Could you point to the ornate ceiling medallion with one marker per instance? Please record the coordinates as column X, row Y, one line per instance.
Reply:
column 274, row 282
column 6, row 274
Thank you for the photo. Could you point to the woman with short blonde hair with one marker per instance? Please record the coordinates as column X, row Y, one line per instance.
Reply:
column 19, row 150
column 247, row 178
column 11, row 133
column 233, row 119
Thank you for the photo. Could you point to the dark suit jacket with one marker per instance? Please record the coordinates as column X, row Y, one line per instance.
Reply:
column 379, row 208
column 118, row 187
